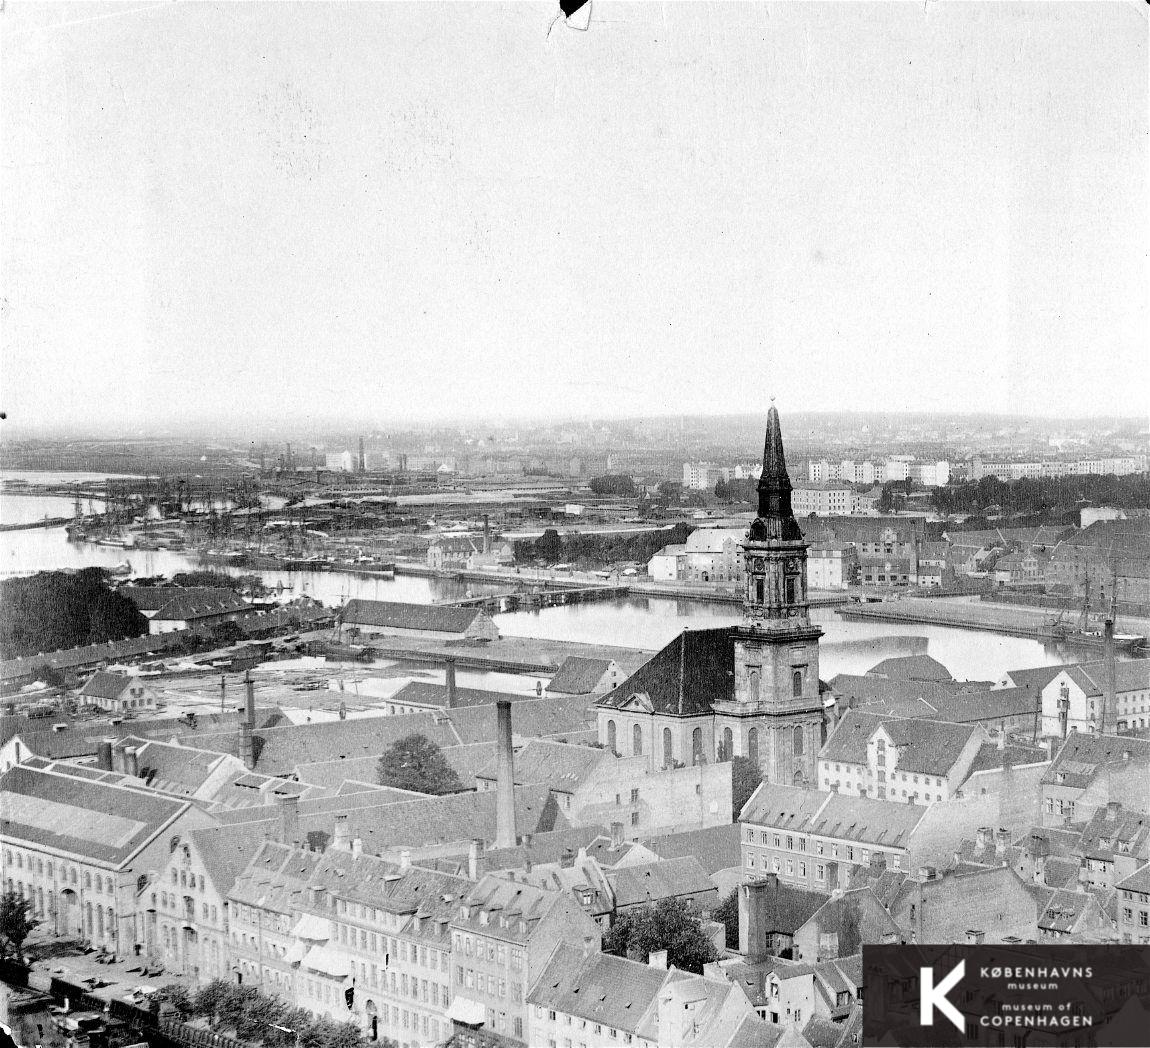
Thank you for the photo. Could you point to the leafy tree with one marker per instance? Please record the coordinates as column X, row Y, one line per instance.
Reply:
column 745, row 779
column 252, row 584
column 178, row 997
column 16, row 924
column 549, row 546
column 728, row 914
column 613, row 484
column 669, row 926
column 416, row 763
column 55, row 609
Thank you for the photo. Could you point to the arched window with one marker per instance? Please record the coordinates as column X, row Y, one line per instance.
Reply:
column 697, row 746
column 728, row 744
column 753, row 745
column 636, row 739
column 753, row 684
column 798, row 740
column 668, row 755
column 797, row 683
column 611, row 735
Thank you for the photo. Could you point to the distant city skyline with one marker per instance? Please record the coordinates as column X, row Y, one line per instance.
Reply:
column 406, row 213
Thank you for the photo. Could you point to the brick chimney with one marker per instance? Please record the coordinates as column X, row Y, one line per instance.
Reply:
column 104, row 761
column 505, row 778
column 616, row 835
column 757, row 903
column 131, row 761
column 1001, row 842
column 449, row 679
column 288, row 818
column 982, row 838
column 473, row 852
column 342, row 839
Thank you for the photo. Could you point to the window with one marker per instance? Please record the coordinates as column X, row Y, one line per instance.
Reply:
column 634, row 818
column 635, row 796
column 636, row 740
column 668, row 758
column 611, row 735
column 697, row 746
column 797, row 686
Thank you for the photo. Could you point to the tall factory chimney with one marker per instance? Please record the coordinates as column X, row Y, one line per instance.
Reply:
column 247, row 727
column 362, row 457
column 449, row 677
column 486, row 534
column 505, row 778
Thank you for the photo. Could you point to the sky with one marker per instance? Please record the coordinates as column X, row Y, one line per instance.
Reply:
column 390, row 212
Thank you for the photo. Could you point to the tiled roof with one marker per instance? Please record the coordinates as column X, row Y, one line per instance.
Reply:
column 788, row 908
column 92, row 654
column 153, row 598
column 1082, row 755
column 1064, row 910
column 990, row 756
column 1129, row 675
column 1138, row 881
column 187, row 608
column 544, row 848
column 559, row 765
column 431, row 617
column 926, row 746
column 559, row 716
column 578, row 676
column 511, row 901
column 105, row 685
column 695, row 670
column 601, row 988
column 716, row 847
column 428, row 693
column 96, row 820
column 1036, row 677
column 911, row 667
column 653, row 881
column 225, row 852
column 863, row 819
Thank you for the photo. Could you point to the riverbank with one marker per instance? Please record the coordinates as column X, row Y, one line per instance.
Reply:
column 1009, row 619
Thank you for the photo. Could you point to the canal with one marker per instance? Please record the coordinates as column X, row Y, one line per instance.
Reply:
column 637, row 622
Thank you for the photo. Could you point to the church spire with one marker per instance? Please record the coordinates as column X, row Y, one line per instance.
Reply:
column 775, row 513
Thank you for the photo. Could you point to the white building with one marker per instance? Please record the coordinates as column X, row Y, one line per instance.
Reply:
column 832, row 566
column 1072, row 700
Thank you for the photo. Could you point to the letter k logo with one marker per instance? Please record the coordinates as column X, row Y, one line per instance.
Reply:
column 933, row 997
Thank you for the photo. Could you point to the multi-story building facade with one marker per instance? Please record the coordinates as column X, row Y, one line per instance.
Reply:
column 829, row 498
column 815, row 839
column 905, row 759
column 80, row 848
column 832, row 565
column 1073, row 699
column 502, row 936
column 1134, row 907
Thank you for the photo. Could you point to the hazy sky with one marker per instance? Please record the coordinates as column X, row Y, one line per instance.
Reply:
column 386, row 211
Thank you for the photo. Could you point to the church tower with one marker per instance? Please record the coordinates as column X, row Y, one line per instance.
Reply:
column 776, row 714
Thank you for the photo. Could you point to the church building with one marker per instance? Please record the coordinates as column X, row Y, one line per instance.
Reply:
column 752, row 689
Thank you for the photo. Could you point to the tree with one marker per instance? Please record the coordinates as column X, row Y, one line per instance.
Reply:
column 549, row 546
column 669, row 926
column 54, row 609
column 613, row 484
column 416, row 763
column 728, row 914
column 745, row 779
column 16, row 924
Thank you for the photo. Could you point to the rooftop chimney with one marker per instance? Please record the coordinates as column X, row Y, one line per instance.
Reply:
column 486, row 534
column 473, row 853
column 505, row 778
column 342, row 841
column 405, row 859
column 982, row 838
column 975, row 936
column 757, row 903
column 1113, row 810
column 131, row 761
column 616, row 835
column 104, row 761
column 449, row 677
column 289, row 818
column 1001, row 842
column 1108, row 721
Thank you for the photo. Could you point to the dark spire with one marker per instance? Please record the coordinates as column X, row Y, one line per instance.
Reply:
column 775, row 489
